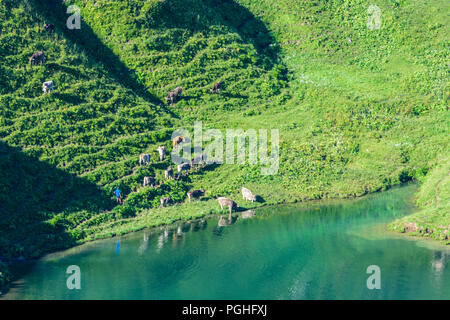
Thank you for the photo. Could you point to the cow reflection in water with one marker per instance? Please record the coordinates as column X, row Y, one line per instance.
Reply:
column 144, row 244
column 162, row 239
column 248, row 214
column 226, row 222
column 178, row 233
column 439, row 262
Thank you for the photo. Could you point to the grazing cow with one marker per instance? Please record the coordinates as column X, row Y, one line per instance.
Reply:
column 183, row 167
column 174, row 95
column 47, row 86
column 225, row 202
column 248, row 195
column 165, row 200
column 149, row 181
column 217, row 87
column 177, row 140
column 49, row 28
column 201, row 159
column 168, row 173
column 144, row 158
column 195, row 194
column 38, row 57
column 162, row 153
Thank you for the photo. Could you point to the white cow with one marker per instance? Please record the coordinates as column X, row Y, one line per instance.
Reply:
column 162, row 153
column 47, row 86
column 248, row 195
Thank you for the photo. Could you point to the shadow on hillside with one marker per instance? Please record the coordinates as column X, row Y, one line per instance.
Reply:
column 199, row 15
column 54, row 11
column 31, row 193
column 193, row 15
column 251, row 28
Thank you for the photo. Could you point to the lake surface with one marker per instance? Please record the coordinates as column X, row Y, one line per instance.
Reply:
column 312, row 251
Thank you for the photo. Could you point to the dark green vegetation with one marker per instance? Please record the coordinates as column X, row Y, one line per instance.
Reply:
column 5, row 275
column 354, row 116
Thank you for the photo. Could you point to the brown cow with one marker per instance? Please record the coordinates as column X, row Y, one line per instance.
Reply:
column 183, row 167
column 165, row 200
column 174, row 95
column 217, row 87
column 38, row 57
column 199, row 160
column 177, row 140
column 195, row 194
column 225, row 202
column 49, row 28
column 168, row 173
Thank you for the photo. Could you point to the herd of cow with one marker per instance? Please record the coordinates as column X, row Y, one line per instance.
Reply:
column 39, row 58
column 201, row 160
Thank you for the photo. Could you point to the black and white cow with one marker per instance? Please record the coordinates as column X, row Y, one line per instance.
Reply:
column 144, row 158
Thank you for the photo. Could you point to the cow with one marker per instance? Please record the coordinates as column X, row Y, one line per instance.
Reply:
column 225, row 202
column 201, row 159
column 217, row 87
column 168, row 173
column 144, row 158
column 165, row 200
column 38, row 57
column 195, row 194
column 248, row 195
column 49, row 28
column 183, row 167
column 174, row 95
column 162, row 153
column 177, row 140
column 47, row 86
column 149, row 181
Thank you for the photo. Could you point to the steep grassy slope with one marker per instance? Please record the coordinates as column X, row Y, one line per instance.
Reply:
column 79, row 143
column 352, row 102
column 91, row 121
column 434, row 220
column 358, row 110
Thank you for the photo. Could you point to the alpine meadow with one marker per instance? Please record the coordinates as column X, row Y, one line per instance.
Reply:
column 359, row 109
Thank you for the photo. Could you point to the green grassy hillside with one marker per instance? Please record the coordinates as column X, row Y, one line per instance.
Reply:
column 358, row 110
column 433, row 221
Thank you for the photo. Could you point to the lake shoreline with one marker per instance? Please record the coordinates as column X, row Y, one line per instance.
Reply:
column 198, row 245
column 219, row 213
column 212, row 214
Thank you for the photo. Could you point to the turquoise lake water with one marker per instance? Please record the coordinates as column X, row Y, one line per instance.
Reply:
column 313, row 251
